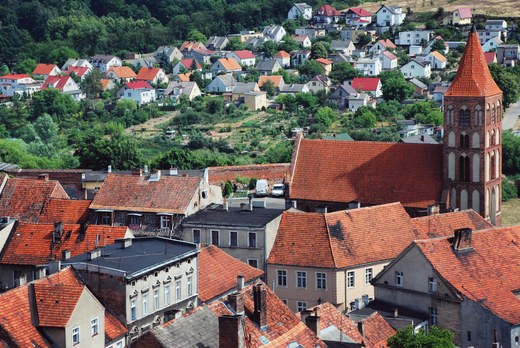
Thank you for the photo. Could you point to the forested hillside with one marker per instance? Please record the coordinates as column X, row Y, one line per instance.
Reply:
column 52, row 30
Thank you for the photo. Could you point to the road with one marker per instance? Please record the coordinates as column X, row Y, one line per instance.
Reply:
column 275, row 203
column 511, row 116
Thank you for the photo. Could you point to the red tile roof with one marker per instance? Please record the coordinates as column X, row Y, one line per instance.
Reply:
column 113, row 328
column 344, row 238
column 190, row 45
column 490, row 57
column 282, row 54
column 366, row 83
column 43, row 69
column 439, row 56
column 275, row 172
column 147, row 74
column 188, row 63
column 30, row 243
column 473, row 77
column 79, row 71
column 218, row 272
column 55, row 303
column 275, row 79
column 438, row 225
column 366, row 172
column 57, row 82
column 328, row 11
column 283, row 326
column 124, row 72
column 324, row 61
column 138, row 85
column 15, row 76
column 244, row 54
column 360, row 12
column 65, row 210
column 184, row 77
column 230, row 64
column 387, row 43
column 482, row 274
column 170, row 194
column 377, row 331
column 390, row 55
column 24, row 198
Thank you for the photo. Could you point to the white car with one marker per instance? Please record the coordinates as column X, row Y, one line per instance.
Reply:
column 278, row 190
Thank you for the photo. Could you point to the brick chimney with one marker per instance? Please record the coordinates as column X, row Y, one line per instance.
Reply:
column 260, row 308
column 236, row 299
column 231, row 331
column 313, row 322
column 43, row 177
column 462, row 239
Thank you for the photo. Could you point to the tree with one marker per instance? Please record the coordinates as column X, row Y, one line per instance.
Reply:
column 364, row 39
column 510, row 153
column 228, row 189
column 509, row 190
column 434, row 338
column 91, row 84
column 364, row 118
column 507, row 81
column 235, row 44
column 311, row 68
column 269, row 87
column 269, row 48
column 325, row 115
column 439, row 45
column 320, row 49
column 343, row 71
column 196, row 36
column 395, row 87
column 26, row 66
column 289, row 44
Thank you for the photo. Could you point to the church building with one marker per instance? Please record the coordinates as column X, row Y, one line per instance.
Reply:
column 463, row 172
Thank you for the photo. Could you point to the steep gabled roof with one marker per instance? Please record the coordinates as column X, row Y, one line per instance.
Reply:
column 24, row 199
column 359, row 11
column 389, row 55
column 328, row 11
column 43, row 69
column 147, row 74
column 170, row 194
column 387, row 43
column 65, row 210
column 123, row 72
column 465, row 12
column 244, row 54
column 324, row 61
column 138, row 85
column 275, row 79
column 218, row 272
column 473, row 77
column 438, row 56
column 438, row 225
column 366, row 83
column 188, row 63
column 57, row 82
column 281, row 54
column 490, row 57
column 367, row 172
column 230, row 64
column 79, row 71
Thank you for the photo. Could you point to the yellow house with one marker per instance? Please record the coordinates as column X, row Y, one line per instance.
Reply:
column 460, row 16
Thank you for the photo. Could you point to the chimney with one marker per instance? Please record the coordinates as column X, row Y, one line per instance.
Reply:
column 231, row 331
column 260, row 308
column 94, row 254
column 236, row 302
column 225, row 204
column 313, row 322
column 43, row 177
column 109, row 169
column 250, row 207
column 240, row 282
column 124, row 242
column 174, row 171
column 65, row 254
column 462, row 240
column 145, row 169
column 137, row 172
column 422, row 138
column 361, row 328
column 58, row 231
column 54, row 267
column 396, row 312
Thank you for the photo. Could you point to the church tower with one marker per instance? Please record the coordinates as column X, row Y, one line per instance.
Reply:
column 473, row 136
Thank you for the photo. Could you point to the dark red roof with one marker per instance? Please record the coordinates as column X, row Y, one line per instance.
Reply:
column 473, row 77
column 138, row 85
column 490, row 57
column 360, row 12
column 147, row 74
column 366, row 172
column 328, row 11
column 366, row 83
column 244, row 54
column 188, row 63
column 14, row 76
column 77, row 70
column 57, row 82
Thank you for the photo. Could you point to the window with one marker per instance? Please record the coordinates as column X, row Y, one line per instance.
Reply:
column 464, row 168
column 94, row 327
column 399, row 278
column 368, row 275
column 350, row 279
column 233, row 238
column 321, row 281
column 178, row 290
column 301, row 279
column 282, row 277
column 284, row 302
column 190, row 286
column 156, row 299
column 469, row 336
column 464, row 141
column 196, row 236
column 301, row 306
column 119, row 344
column 464, row 117
column 167, row 295
column 145, row 304
column 433, row 316
column 133, row 309
column 134, row 220
column 214, row 237
column 252, row 263
column 252, row 240
column 166, row 221
column 106, row 219
column 75, row 335
column 432, row 285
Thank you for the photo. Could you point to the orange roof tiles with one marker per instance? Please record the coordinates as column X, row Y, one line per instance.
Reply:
column 282, row 54
column 439, row 56
column 377, row 331
column 276, row 171
column 387, row 43
column 43, row 69
column 244, row 54
column 55, row 303
column 324, row 61
column 218, row 272
column 189, row 63
column 24, row 198
column 30, row 244
column 65, row 210
column 438, row 225
column 104, row 83
column 124, row 72
column 473, row 77
column 482, row 274
column 275, row 79
column 113, row 328
column 147, row 74
column 170, row 194
column 230, row 64
column 184, row 77
column 344, row 238
column 366, row 172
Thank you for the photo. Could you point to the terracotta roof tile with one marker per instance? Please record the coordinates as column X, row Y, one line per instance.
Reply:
column 482, row 274
column 328, row 11
column 360, row 12
column 366, row 83
column 147, row 74
column 104, row 83
column 30, row 243
column 58, row 82
column 473, row 77
column 24, row 198
column 218, row 272
column 377, row 331
column 490, row 57
column 438, row 225
column 367, row 172
column 244, row 54
column 275, row 79
column 170, row 194
column 324, row 61
column 387, row 43
column 184, row 77
column 65, row 210
column 55, row 303
column 113, row 328
column 465, row 12
column 281, row 54
column 138, row 85
column 439, row 56
column 188, row 63
column 79, row 71
column 277, row 171
column 43, row 69
column 230, row 64
column 124, row 72
column 14, row 76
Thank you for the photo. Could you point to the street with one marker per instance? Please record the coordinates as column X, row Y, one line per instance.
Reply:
column 511, row 116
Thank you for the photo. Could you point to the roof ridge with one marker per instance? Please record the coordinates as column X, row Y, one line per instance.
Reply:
column 330, row 241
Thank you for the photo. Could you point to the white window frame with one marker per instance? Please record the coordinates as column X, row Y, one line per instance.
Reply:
column 249, row 240
column 156, row 302
column 369, row 274
column 145, row 304
column 230, row 239
column 193, row 235
column 256, row 260
column 133, row 309
column 281, row 274
column 301, row 306
column 218, row 237
column 351, row 279
column 94, row 327
column 434, row 316
column 321, row 281
column 178, row 290
column 399, row 278
column 166, row 221
column 432, row 284
column 190, row 285
column 75, row 335
column 301, row 279
column 167, row 295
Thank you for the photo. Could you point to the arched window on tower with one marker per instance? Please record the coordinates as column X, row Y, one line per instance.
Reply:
column 488, row 114
column 464, row 168
column 499, row 111
column 464, row 141
column 493, row 138
column 493, row 114
column 492, row 166
column 478, row 116
column 450, row 115
column 464, row 117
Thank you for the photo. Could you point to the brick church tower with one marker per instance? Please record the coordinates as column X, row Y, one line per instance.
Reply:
column 473, row 136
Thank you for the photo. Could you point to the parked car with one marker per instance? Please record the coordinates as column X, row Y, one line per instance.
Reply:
column 261, row 188
column 278, row 190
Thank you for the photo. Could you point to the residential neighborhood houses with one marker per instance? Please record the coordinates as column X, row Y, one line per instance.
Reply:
column 364, row 238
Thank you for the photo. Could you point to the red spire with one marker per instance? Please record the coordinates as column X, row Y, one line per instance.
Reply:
column 473, row 78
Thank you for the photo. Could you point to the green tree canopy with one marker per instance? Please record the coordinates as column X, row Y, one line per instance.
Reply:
column 395, row 87
column 196, row 36
column 343, row 71
column 434, row 338
column 311, row 68
column 325, row 115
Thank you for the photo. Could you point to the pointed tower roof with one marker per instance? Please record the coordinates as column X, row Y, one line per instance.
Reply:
column 473, row 78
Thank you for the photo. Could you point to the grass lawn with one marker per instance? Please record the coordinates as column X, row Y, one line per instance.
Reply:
column 511, row 212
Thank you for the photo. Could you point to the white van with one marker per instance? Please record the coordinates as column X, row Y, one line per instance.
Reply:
column 278, row 190
column 261, row 188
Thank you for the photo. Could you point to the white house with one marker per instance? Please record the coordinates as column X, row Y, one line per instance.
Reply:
column 243, row 57
column 437, row 60
column 327, row 14
column 222, row 84
column 19, row 84
column 343, row 47
column 103, row 62
column 185, row 65
column 138, row 91
column 65, row 84
column 175, row 90
column 388, row 60
column 304, row 40
column 358, row 17
column 369, row 66
column 491, row 44
column 300, row 10
column 381, row 46
column 357, row 100
column 312, row 33
column 319, row 83
column 46, row 70
column 225, row 65
column 388, row 16
column 274, row 32
column 370, row 85
column 417, row 67
column 283, row 58
column 415, row 37
column 495, row 24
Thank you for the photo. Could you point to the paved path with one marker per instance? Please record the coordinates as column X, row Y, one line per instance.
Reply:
column 511, row 116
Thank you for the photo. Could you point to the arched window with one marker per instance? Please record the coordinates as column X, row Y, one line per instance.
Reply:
column 493, row 114
column 497, row 136
column 499, row 111
column 488, row 114
column 449, row 114
column 478, row 116
column 464, row 117
column 475, row 201
column 487, row 138
column 497, row 164
column 451, row 139
column 464, row 141
column 492, row 168
column 451, row 166
column 493, row 138
column 476, row 168
column 453, row 198
column 464, row 168
column 463, row 200
column 475, row 140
